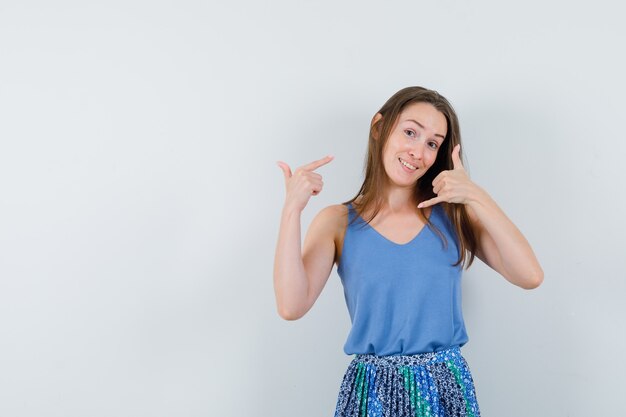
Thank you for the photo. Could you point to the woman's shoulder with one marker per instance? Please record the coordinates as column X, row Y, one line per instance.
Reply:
column 335, row 213
column 335, row 217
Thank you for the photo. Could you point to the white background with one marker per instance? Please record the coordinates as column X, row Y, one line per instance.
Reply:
column 140, row 199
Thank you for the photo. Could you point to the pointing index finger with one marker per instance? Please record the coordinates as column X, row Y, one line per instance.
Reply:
column 316, row 164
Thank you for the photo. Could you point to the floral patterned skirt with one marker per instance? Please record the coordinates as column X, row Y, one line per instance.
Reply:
column 435, row 384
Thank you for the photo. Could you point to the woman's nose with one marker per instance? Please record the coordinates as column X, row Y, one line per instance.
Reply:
column 416, row 150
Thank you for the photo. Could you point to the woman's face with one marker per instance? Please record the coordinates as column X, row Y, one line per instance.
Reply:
column 414, row 141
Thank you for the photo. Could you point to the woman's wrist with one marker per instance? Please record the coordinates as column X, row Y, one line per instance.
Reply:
column 479, row 197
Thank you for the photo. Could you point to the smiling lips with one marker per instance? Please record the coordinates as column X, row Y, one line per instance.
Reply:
column 406, row 165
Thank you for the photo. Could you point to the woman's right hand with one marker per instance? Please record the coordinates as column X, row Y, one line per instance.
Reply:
column 303, row 183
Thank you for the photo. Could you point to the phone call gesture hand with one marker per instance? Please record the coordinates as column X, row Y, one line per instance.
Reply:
column 452, row 186
column 303, row 183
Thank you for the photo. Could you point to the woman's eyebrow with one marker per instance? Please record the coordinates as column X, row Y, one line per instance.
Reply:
column 422, row 126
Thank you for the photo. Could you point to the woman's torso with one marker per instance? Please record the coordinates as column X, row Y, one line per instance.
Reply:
column 401, row 288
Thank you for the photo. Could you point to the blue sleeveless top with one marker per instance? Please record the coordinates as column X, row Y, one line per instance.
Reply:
column 402, row 298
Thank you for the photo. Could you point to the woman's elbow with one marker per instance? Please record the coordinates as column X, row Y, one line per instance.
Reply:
column 535, row 281
column 289, row 315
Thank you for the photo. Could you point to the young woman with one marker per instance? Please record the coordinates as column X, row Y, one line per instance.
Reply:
column 400, row 246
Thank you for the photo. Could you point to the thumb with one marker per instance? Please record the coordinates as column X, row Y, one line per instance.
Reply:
column 285, row 168
column 456, row 159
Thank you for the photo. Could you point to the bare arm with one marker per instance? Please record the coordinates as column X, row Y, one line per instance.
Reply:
column 299, row 277
column 501, row 245
column 290, row 281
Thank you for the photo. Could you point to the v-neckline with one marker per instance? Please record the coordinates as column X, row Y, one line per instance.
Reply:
column 391, row 241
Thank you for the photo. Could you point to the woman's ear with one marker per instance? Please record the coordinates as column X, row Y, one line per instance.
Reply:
column 376, row 122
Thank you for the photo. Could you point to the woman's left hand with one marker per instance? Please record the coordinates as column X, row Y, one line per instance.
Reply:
column 452, row 186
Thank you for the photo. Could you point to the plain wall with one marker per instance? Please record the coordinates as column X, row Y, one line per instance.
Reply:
column 140, row 199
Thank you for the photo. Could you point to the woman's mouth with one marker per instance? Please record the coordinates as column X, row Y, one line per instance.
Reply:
column 406, row 166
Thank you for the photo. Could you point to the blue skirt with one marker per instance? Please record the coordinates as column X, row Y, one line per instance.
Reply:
column 435, row 384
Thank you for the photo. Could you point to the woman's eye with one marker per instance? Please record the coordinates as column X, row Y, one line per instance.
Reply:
column 410, row 131
column 435, row 145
